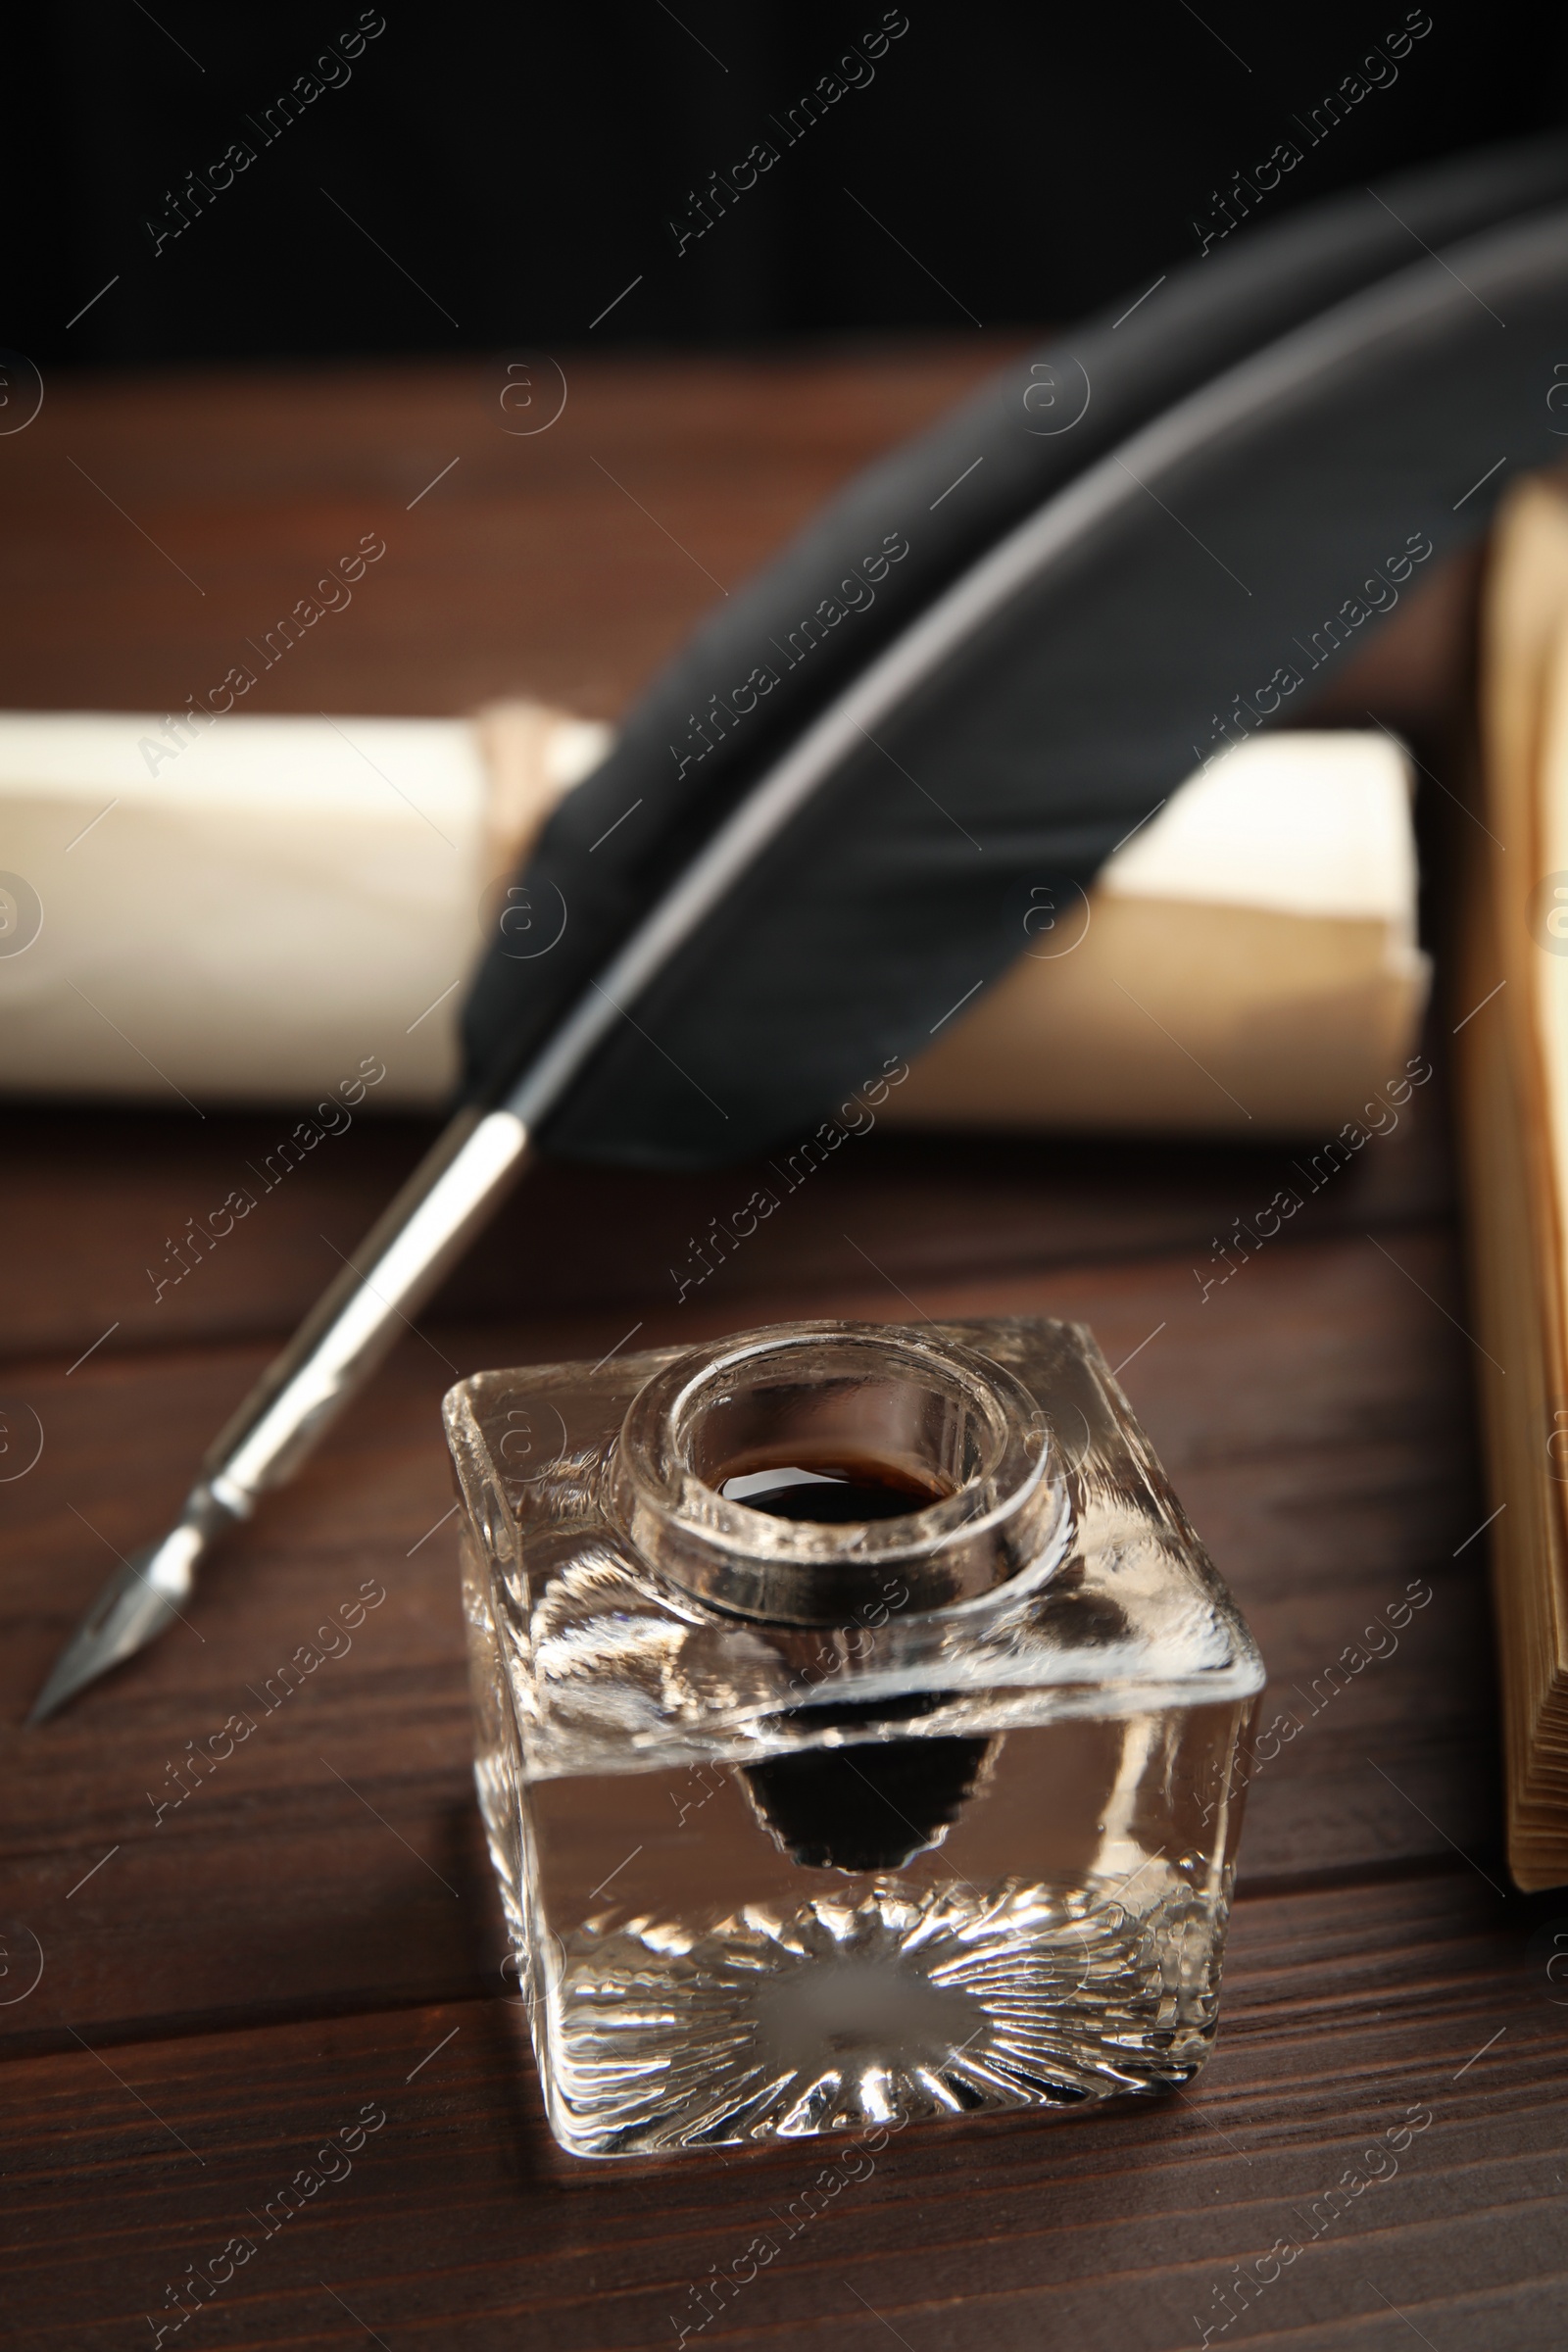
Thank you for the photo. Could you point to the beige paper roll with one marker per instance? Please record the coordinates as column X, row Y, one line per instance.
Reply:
column 241, row 912
column 1247, row 963
column 244, row 912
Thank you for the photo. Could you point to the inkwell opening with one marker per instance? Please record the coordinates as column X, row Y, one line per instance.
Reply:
column 846, row 1478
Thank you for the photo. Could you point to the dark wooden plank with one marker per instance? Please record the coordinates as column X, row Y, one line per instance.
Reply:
column 527, row 569
column 1313, row 1416
column 1414, row 2019
column 578, row 1239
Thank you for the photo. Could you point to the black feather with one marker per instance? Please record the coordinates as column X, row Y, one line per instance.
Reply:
column 1238, row 457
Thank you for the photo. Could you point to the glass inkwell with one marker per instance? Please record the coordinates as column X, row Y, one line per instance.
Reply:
column 856, row 1715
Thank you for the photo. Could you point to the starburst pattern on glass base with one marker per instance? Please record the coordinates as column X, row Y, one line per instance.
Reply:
column 844, row 2013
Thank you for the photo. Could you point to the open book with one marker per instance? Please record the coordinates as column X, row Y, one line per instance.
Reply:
column 1512, row 1044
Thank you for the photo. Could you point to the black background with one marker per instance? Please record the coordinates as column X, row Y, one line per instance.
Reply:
column 522, row 165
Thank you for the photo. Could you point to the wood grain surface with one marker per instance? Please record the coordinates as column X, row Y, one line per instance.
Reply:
column 313, row 1932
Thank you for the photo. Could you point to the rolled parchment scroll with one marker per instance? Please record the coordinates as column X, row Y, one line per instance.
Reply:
column 241, row 914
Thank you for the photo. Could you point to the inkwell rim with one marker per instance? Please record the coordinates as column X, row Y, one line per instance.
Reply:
column 1013, row 1515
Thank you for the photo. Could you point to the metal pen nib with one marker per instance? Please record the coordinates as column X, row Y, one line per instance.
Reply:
column 450, row 1195
column 135, row 1605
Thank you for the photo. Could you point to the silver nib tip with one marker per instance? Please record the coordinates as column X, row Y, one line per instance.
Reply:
column 139, row 1601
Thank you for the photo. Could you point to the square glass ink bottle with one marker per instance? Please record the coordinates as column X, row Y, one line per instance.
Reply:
column 856, row 1716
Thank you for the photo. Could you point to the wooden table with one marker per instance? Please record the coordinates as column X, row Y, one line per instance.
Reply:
column 313, row 1931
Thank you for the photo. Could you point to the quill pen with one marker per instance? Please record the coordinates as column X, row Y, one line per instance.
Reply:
column 990, row 656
